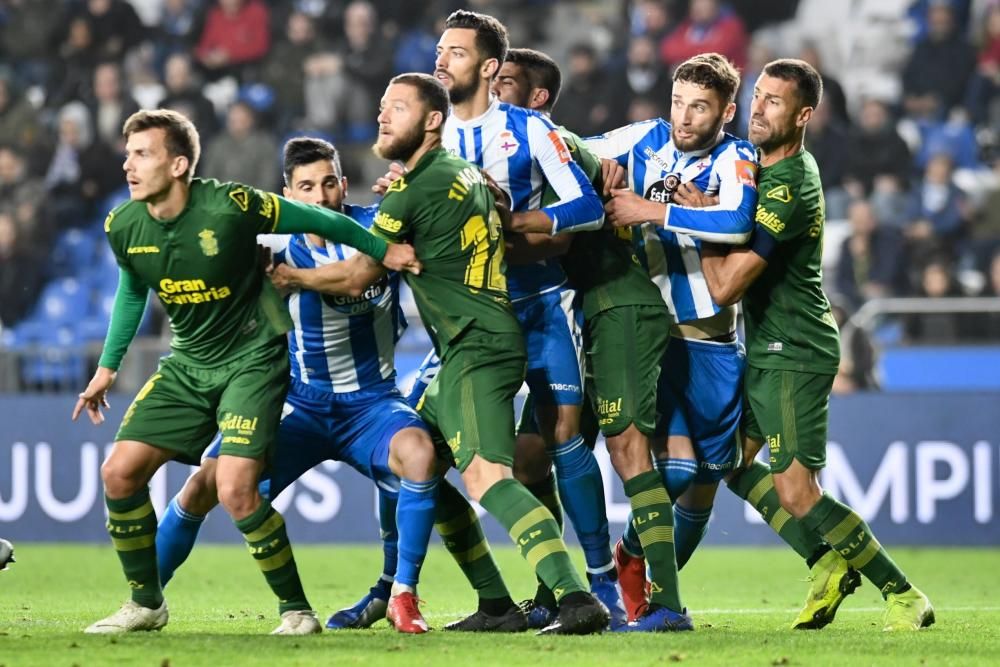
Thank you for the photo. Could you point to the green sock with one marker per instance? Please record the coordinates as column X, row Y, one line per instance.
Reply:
column 756, row 486
column 653, row 519
column 267, row 539
column 848, row 533
column 457, row 524
column 132, row 526
column 535, row 533
column 548, row 494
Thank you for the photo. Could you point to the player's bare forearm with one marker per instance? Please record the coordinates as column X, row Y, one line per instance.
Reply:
column 530, row 248
column 730, row 274
column 348, row 278
column 526, row 222
column 626, row 208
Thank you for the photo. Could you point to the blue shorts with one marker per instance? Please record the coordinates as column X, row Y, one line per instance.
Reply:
column 700, row 396
column 554, row 341
column 318, row 426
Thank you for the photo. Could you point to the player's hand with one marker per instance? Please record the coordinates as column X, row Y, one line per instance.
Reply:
column 381, row 186
column 613, row 175
column 688, row 194
column 626, row 208
column 265, row 258
column 402, row 257
column 95, row 395
column 499, row 196
column 284, row 278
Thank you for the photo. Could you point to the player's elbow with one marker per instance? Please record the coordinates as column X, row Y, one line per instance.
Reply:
column 724, row 295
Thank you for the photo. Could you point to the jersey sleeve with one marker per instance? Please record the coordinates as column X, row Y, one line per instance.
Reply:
column 579, row 207
column 260, row 209
column 126, row 316
column 391, row 223
column 776, row 208
column 617, row 144
column 294, row 217
column 277, row 244
column 731, row 220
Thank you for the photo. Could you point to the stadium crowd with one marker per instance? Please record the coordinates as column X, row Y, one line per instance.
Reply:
column 906, row 138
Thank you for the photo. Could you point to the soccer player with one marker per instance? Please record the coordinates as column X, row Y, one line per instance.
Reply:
column 194, row 242
column 793, row 347
column 444, row 205
column 625, row 335
column 523, row 153
column 343, row 403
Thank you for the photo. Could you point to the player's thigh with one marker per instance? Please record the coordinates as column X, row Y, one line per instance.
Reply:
column 175, row 410
column 473, row 404
column 624, row 349
column 366, row 439
column 790, row 410
column 250, row 408
column 554, row 346
column 303, row 439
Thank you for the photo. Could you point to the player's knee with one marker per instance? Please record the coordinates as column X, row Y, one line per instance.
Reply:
column 238, row 496
column 797, row 500
column 566, row 428
column 629, row 456
column 199, row 494
column 414, row 455
column 120, row 481
column 531, row 461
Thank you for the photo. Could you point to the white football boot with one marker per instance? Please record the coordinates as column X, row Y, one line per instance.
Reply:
column 298, row 622
column 132, row 617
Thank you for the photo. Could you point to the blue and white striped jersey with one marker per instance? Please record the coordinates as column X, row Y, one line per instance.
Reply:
column 339, row 344
column 522, row 151
column 671, row 253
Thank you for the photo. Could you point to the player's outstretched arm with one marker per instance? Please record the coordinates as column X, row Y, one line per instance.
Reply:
column 729, row 272
column 348, row 278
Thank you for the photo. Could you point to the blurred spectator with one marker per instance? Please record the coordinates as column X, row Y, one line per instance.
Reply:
column 73, row 71
column 876, row 150
column 937, row 212
column 833, row 92
column 756, row 14
column 19, row 125
column 184, row 95
column 20, row 273
column 871, row 258
column 937, row 73
column 236, row 33
column 985, row 81
column 115, row 25
column 937, row 280
column 987, row 326
column 417, row 49
column 857, row 357
column 367, row 66
column 24, row 196
column 284, row 70
column 984, row 232
column 241, row 152
column 583, row 108
column 709, row 26
column 759, row 54
column 110, row 105
column 651, row 18
column 826, row 139
column 181, row 23
column 643, row 76
column 25, row 34
column 644, row 108
column 83, row 170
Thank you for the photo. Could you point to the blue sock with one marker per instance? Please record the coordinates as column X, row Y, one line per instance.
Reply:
column 387, row 503
column 677, row 475
column 175, row 537
column 581, row 490
column 415, row 518
column 689, row 527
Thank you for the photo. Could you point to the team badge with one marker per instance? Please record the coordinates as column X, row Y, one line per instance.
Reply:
column 508, row 144
column 209, row 244
column 662, row 192
column 780, row 193
column 746, row 173
column 241, row 199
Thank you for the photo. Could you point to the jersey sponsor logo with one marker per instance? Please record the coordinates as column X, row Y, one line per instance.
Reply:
column 653, row 157
column 746, row 173
column 563, row 386
column 508, row 143
column 387, row 222
column 142, row 250
column 560, row 146
column 775, row 347
column 234, row 422
column 397, row 185
column 464, row 181
column 209, row 244
column 769, row 219
column 608, row 410
column 181, row 292
column 662, row 192
column 107, row 222
column 267, row 208
column 359, row 305
column 780, row 193
column 241, row 198
column 455, row 442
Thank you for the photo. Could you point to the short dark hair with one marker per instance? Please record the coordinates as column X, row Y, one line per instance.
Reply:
column 491, row 35
column 301, row 151
column 713, row 71
column 808, row 82
column 432, row 92
column 182, row 136
column 542, row 72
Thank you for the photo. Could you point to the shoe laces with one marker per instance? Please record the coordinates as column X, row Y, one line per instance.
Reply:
column 410, row 604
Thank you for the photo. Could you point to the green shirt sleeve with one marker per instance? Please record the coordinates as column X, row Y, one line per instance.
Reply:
column 297, row 218
column 126, row 315
column 776, row 210
column 390, row 220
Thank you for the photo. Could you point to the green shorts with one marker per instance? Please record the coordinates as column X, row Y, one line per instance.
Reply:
column 624, row 346
column 788, row 411
column 528, row 425
column 469, row 406
column 182, row 407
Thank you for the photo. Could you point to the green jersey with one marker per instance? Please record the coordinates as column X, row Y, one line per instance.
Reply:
column 444, row 207
column 602, row 265
column 788, row 321
column 204, row 267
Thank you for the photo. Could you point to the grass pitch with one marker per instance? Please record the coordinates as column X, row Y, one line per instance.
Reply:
column 742, row 601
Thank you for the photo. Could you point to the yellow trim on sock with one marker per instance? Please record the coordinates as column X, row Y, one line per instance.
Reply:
column 265, row 529
column 656, row 534
column 760, row 489
column 779, row 519
column 452, row 526
column 842, row 530
column 865, row 555
column 535, row 554
column 535, row 516
column 277, row 560
column 649, row 497
column 138, row 513
column 475, row 553
column 134, row 543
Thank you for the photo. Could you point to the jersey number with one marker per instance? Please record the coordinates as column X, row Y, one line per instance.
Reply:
column 480, row 237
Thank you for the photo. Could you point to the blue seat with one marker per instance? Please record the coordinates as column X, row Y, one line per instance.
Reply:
column 63, row 301
column 57, row 362
column 73, row 251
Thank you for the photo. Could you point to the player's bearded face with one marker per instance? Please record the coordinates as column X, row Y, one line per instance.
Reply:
column 696, row 116
column 458, row 63
column 400, row 140
column 772, row 113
